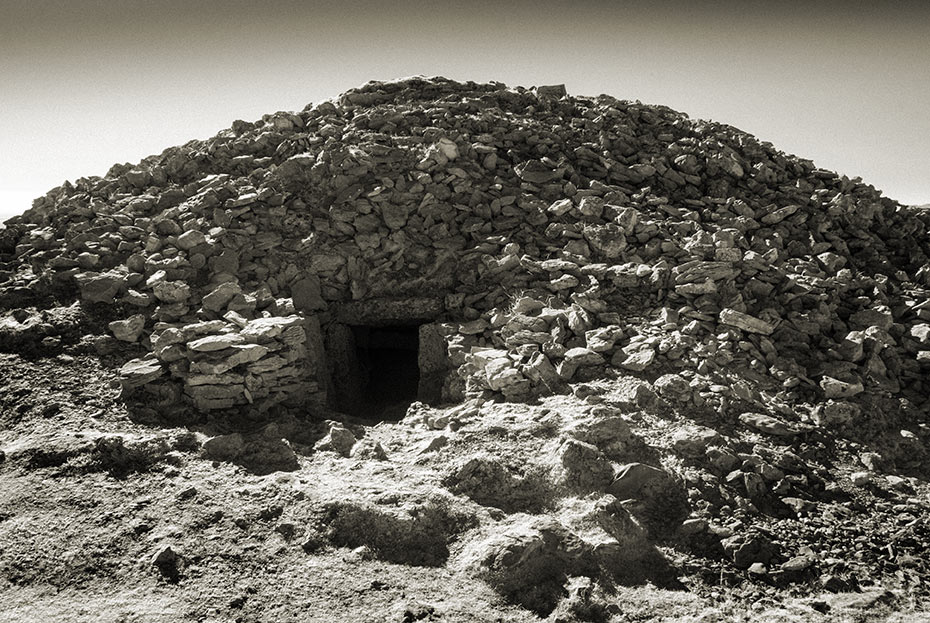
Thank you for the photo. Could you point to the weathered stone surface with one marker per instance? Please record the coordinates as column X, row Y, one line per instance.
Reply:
column 540, row 370
column 530, row 562
column 222, row 294
column 212, row 343
column 491, row 481
column 633, row 478
column 339, row 439
column 693, row 441
column 222, row 378
column 307, row 295
column 836, row 413
column 100, row 287
column 172, row 292
column 604, row 429
column 745, row 322
column 128, row 330
column 246, row 353
column 835, row 388
column 770, row 425
column 536, row 172
column 585, row 466
column 583, row 357
column 140, row 372
column 745, row 550
column 673, row 387
column 657, row 499
column 603, row 339
column 224, row 447
column 268, row 328
column 637, row 361
column 190, row 239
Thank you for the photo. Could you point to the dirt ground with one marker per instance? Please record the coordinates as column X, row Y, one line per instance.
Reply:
column 105, row 518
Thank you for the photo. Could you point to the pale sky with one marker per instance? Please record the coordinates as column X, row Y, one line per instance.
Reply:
column 86, row 84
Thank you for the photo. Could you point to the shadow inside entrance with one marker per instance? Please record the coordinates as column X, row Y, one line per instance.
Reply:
column 378, row 374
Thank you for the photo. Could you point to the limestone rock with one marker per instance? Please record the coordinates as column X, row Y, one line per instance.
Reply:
column 583, row 357
column 529, row 563
column 835, row 388
column 836, row 413
column 212, row 343
column 224, row 447
column 585, row 466
column 747, row 323
column 744, row 550
column 190, row 239
column 536, row 172
column 339, row 439
column 770, row 425
column 100, row 287
column 637, row 361
column 657, row 499
column 540, row 370
column 268, row 328
column 634, row 478
column 603, row 428
column 693, row 441
column 673, row 388
column 220, row 296
column 307, row 295
column 172, row 292
column 140, row 372
column 128, row 330
column 490, row 481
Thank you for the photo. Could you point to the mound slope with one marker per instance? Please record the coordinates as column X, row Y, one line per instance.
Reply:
column 726, row 345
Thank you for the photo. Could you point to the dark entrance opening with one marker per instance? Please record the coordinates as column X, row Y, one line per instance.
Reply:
column 381, row 375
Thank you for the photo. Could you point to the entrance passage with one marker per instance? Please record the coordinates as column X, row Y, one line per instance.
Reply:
column 377, row 373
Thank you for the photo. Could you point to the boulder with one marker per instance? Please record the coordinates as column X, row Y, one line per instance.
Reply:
column 584, row 466
column 657, row 500
column 224, row 447
column 530, row 562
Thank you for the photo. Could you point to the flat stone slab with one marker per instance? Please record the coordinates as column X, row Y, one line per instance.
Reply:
column 139, row 372
column 212, row 343
column 269, row 328
column 747, row 323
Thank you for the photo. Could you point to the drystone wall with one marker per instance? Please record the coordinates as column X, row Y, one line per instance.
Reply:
column 545, row 238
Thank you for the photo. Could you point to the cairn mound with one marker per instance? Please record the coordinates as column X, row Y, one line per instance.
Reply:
column 506, row 240
column 729, row 344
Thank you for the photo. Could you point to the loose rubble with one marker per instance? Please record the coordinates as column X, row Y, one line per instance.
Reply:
column 719, row 351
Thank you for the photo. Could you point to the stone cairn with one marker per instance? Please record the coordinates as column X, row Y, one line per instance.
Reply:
column 557, row 239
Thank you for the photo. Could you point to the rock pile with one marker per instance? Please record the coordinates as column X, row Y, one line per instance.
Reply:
column 547, row 239
column 746, row 337
column 223, row 363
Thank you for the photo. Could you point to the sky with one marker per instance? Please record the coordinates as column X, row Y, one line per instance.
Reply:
column 86, row 84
